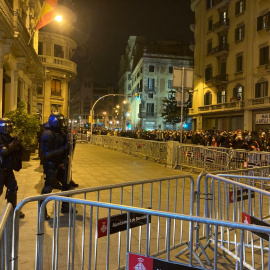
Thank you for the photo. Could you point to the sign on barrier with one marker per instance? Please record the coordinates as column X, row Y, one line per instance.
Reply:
column 140, row 262
column 118, row 223
column 247, row 219
column 241, row 195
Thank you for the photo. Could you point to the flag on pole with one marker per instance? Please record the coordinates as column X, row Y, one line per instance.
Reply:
column 48, row 13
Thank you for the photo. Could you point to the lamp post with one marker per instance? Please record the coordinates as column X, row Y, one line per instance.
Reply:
column 92, row 109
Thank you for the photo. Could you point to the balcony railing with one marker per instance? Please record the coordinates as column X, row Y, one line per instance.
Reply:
column 60, row 63
column 259, row 101
column 220, row 50
column 220, row 80
column 150, row 89
column 218, row 3
column 222, row 25
column 228, row 106
column 147, row 115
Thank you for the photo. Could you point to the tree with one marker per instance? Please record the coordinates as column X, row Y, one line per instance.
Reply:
column 26, row 125
column 172, row 113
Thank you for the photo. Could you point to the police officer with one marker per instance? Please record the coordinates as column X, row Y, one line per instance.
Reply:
column 10, row 158
column 54, row 146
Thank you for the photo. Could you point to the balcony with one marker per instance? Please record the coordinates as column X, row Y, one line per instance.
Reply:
column 220, row 80
column 59, row 63
column 147, row 115
column 150, row 89
column 221, row 50
column 221, row 107
column 264, row 67
column 222, row 25
column 259, row 102
column 220, row 3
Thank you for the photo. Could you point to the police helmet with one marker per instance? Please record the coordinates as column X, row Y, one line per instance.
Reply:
column 56, row 120
column 5, row 125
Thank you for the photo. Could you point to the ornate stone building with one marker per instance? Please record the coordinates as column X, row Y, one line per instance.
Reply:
column 231, row 66
column 56, row 46
column 20, row 69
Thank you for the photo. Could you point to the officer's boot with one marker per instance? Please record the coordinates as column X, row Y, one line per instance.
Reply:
column 46, row 190
column 12, row 198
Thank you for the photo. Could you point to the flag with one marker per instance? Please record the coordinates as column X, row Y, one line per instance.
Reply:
column 48, row 13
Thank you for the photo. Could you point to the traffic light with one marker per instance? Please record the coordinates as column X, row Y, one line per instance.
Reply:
column 137, row 96
column 89, row 119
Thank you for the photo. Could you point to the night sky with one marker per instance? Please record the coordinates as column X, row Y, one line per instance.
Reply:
column 105, row 26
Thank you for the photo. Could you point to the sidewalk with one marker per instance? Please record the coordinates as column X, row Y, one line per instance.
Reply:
column 92, row 166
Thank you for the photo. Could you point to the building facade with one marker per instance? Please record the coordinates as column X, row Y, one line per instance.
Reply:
column 148, row 80
column 56, row 46
column 20, row 69
column 231, row 64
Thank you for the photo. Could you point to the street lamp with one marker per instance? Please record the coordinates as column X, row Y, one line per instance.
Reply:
column 92, row 109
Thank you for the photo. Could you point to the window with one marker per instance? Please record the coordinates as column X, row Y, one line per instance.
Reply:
column 209, row 4
column 221, row 96
column 170, row 69
column 222, row 41
column 39, row 110
column 240, row 7
column 58, row 51
column 151, row 84
column 150, row 109
column 210, row 25
column 40, row 48
column 56, row 87
column 39, row 89
column 240, row 33
column 261, row 89
column 208, row 98
column 129, row 87
column 150, row 95
column 29, row 100
column 223, row 68
column 151, row 68
column 170, row 83
column 209, row 47
column 264, row 55
column 238, row 92
column 208, row 73
column 223, row 16
column 263, row 21
column 239, row 63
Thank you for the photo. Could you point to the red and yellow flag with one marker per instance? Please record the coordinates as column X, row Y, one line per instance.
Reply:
column 48, row 13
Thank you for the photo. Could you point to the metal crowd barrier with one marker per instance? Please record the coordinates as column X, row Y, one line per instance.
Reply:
column 229, row 200
column 209, row 159
column 6, row 237
column 171, row 194
column 152, row 150
column 137, row 255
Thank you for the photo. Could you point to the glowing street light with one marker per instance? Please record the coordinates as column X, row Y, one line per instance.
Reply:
column 59, row 18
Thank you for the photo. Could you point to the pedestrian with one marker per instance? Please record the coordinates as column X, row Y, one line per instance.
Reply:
column 10, row 159
column 54, row 145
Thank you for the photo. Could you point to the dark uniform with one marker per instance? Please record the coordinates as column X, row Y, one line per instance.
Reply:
column 10, row 159
column 54, row 147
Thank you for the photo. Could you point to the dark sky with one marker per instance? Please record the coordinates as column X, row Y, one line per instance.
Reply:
column 107, row 25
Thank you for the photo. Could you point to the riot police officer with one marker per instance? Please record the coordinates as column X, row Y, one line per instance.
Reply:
column 54, row 145
column 10, row 159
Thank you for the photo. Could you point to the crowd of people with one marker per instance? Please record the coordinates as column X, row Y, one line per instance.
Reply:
column 248, row 140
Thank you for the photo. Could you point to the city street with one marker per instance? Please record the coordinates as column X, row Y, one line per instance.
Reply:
column 92, row 166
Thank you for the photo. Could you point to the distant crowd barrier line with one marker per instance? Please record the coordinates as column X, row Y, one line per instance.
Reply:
column 171, row 153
